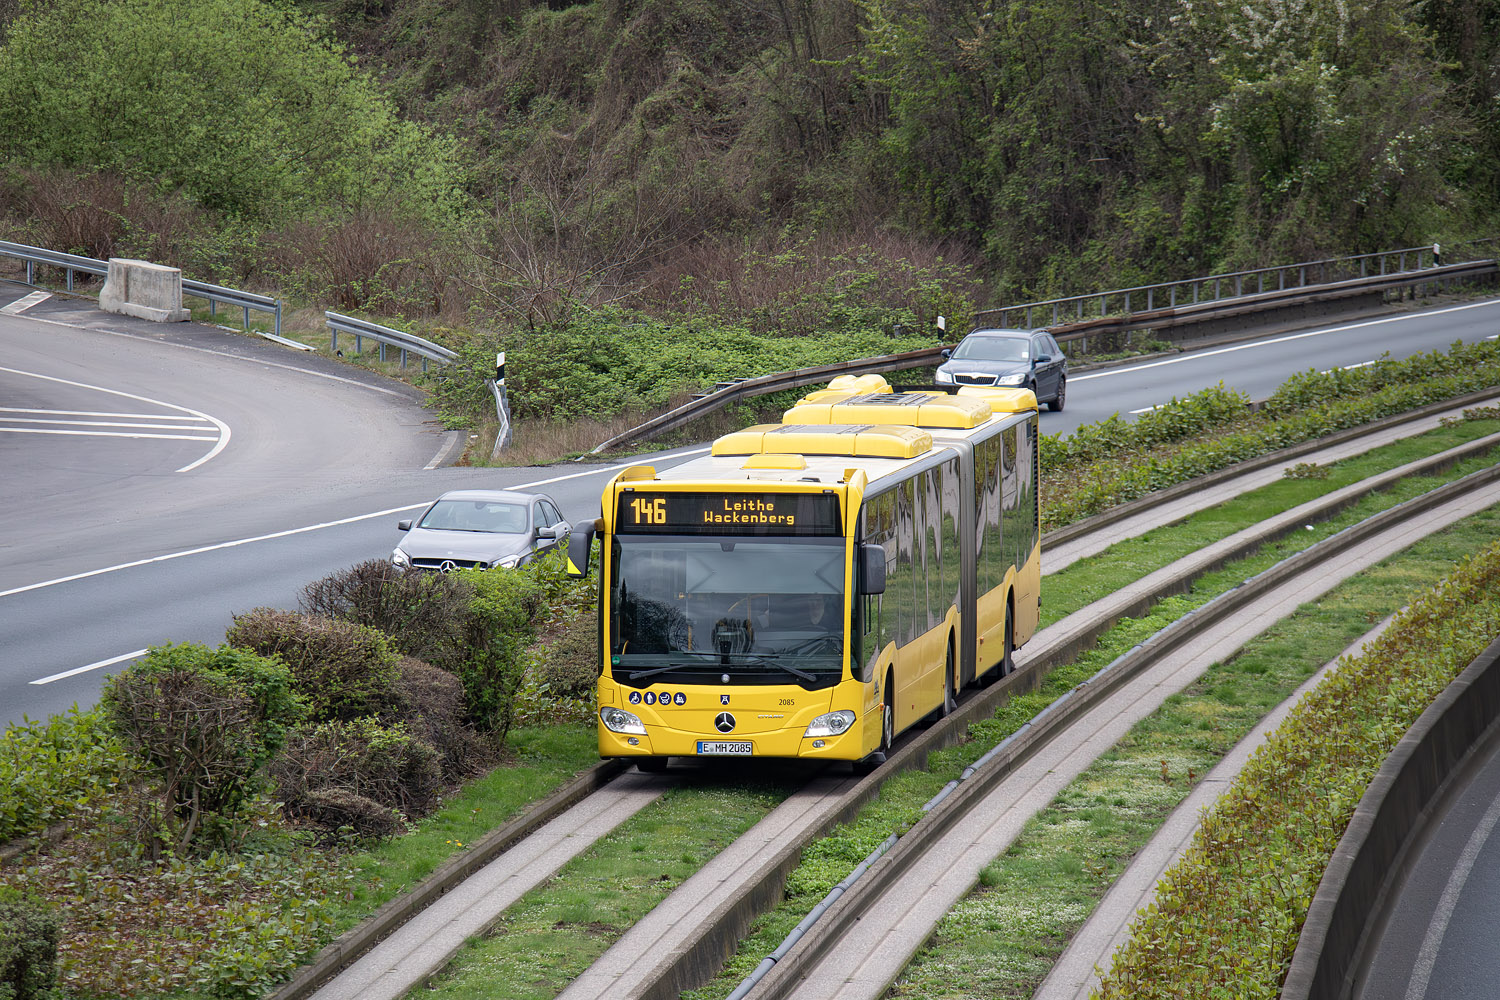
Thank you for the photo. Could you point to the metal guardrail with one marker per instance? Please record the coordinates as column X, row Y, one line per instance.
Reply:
column 215, row 294
column 1215, row 287
column 746, row 388
column 729, row 392
column 386, row 337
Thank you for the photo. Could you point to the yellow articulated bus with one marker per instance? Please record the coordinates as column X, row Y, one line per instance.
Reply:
column 812, row 588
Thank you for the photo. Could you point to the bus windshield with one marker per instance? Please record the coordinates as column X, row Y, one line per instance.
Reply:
column 760, row 610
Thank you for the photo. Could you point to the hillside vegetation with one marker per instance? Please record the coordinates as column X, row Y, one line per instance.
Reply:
column 495, row 169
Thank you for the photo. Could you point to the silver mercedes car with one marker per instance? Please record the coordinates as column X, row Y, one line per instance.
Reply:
column 481, row 529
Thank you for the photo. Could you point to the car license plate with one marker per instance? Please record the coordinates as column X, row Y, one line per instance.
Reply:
column 711, row 747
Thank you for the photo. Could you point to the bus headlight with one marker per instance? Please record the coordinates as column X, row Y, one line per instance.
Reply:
column 831, row 724
column 617, row 720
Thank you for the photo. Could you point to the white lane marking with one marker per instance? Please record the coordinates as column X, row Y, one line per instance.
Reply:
column 91, row 666
column 221, row 425
column 96, row 413
column 1192, row 355
column 303, row 530
column 109, row 423
column 1346, row 368
column 1146, row 409
column 22, row 304
column 106, row 434
column 226, row 354
column 1421, row 973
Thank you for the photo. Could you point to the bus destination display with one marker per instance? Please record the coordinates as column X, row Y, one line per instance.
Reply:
column 728, row 513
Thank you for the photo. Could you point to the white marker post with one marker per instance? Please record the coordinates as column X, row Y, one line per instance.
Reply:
column 502, row 406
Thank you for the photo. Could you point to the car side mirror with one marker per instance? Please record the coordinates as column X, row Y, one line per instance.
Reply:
column 579, row 544
column 871, row 569
column 545, row 532
column 1042, row 359
column 404, row 525
column 947, row 352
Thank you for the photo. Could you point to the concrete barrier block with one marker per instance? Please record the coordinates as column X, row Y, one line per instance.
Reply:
column 144, row 290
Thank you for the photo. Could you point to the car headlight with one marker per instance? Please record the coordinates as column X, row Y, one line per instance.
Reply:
column 1015, row 378
column 400, row 560
column 832, row 724
column 942, row 377
column 507, row 562
column 617, row 720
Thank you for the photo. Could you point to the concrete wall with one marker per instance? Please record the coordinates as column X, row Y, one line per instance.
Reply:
column 144, row 290
column 1391, row 815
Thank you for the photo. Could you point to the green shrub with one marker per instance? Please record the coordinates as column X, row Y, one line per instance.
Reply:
column 29, row 931
column 205, row 721
column 501, row 626
column 1192, row 437
column 47, row 769
column 309, row 130
column 342, row 670
column 570, row 662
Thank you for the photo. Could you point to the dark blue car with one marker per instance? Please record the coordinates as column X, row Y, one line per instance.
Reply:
column 1020, row 359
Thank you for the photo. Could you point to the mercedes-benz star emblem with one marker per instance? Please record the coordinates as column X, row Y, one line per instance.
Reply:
column 724, row 722
column 447, row 566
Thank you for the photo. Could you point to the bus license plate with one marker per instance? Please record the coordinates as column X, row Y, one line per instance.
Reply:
column 744, row 747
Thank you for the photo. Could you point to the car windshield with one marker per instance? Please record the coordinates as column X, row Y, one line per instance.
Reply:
column 994, row 349
column 762, row 610
column 476, row 515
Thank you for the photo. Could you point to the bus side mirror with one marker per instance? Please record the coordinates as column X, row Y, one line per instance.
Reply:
column 871, row 569
column 579, row 544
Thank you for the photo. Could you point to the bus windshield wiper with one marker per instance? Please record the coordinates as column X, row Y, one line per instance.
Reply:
column 769, row 660
column 636, row 675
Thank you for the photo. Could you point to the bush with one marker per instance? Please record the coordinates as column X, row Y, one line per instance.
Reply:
column 423, row 614
column 48, row 769
column 339, row 809
column 570, row 662
column 433, row 709
column 29, row 931
column 205, row 721
column 501, row 626
column 383, row 763
column 342, row 670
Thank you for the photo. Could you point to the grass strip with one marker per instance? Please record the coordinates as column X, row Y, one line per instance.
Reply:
column 827, row 861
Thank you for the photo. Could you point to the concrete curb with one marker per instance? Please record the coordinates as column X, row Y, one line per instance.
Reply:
column 352, row 944
column 1371, row 856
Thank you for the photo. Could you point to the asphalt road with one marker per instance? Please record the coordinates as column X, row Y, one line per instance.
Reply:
column 159, row 478
column 1438, row 938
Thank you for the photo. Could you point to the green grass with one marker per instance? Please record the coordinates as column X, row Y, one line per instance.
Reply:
column 1099, row 859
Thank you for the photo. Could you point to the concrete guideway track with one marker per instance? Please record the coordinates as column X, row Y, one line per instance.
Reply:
column 684, row 941
column 424, row 945
column 870, row 935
